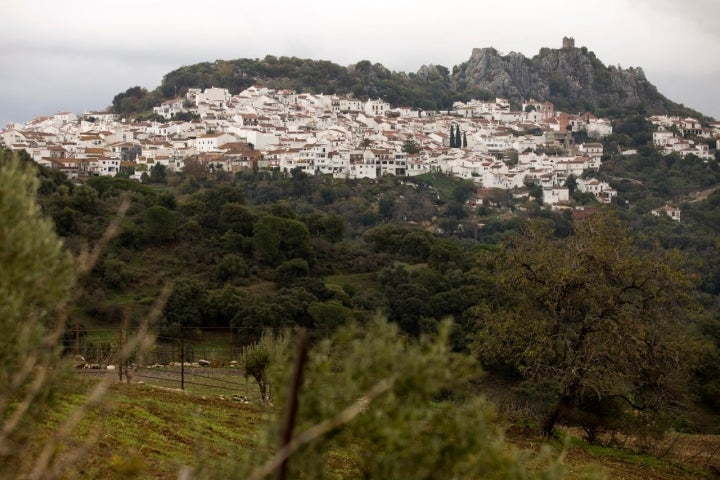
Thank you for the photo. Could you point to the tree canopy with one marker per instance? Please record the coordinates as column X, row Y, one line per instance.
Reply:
column 593, row 317
column 37, row 276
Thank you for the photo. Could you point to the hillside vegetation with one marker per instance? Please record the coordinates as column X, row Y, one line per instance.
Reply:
column 605, row 323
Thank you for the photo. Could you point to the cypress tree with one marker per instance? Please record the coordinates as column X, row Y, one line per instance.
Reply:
column 452, row 136
column 464, row 140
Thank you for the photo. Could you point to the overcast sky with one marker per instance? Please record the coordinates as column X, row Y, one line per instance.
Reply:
column 76, row 55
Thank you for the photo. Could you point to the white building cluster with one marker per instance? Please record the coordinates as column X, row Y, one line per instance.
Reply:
column 672, row 132
column 324, row 134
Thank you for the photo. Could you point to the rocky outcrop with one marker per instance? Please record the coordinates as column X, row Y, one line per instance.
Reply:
column 572, row 78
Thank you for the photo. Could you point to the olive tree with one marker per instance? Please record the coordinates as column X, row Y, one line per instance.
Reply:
column 36, row 276
column 392, row 409
column 593, row 316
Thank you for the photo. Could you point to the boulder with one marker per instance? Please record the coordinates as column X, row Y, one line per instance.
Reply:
column 79, row 361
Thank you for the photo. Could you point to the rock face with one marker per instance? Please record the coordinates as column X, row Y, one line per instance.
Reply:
column 571, row 78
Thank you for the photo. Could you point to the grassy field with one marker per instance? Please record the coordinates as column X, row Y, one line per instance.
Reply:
column 151, row 431
column 147, row 431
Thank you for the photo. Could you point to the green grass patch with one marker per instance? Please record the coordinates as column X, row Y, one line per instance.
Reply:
column 357, row 281
column 648, row 461
column 444, row 184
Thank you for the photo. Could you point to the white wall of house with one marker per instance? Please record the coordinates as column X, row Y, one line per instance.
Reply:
column 376, row 108
column 555, row 195
column 362, row 170
column 599, row 129
column 662, row 137
column 671, row 212
column 210, row 142
column 213, row 96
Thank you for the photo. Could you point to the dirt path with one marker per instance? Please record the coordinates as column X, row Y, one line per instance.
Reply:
column 702, row 194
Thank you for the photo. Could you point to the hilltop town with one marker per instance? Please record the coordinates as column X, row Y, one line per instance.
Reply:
column 342, row 136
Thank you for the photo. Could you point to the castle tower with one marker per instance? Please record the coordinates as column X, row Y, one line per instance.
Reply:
column 568, row 42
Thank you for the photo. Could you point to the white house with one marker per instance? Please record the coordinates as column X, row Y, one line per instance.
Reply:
column 64, row 117
column 169, row 108
column 671, row 212
column 662, row 137
column 213, row 96
column 538, row 111
column 212, row 141
column 361, row 169
column 602, row 191
column 555, row 195
column 102, row 117
column 598, row 128
column 575, row 166
column 104, row 166
column 591, row 149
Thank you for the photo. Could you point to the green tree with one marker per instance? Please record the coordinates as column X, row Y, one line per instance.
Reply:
column 35, row 280
column 452, row 136
column 256, row 362
column 445, row 255
column 593, row 317
column 410, row 146
column 463, row 191
column 386, row 206
column 365, row 143
column 329, row 315
column 158, row 174
column 184, row 308
column 223, row 305
column 396, row 409
column 288, row 272
column 129, row 101
column 159, row 223
column 278, row 239
column 329, row 226
column 84, row 199
column 234, row 216
column 231, row 266
column 571, row 183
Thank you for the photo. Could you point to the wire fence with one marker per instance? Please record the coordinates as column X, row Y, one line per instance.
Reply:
column 207, row 363
column 219, row 345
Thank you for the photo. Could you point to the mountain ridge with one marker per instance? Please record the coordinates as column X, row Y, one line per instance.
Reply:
column 572, row 78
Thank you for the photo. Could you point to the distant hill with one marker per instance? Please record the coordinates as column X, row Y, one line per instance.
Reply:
column 574, row 79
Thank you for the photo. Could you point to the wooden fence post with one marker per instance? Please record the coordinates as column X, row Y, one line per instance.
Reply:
column 301, row 353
